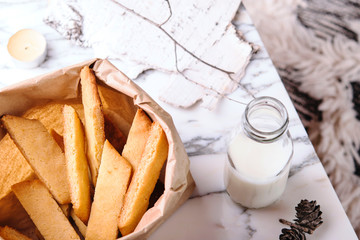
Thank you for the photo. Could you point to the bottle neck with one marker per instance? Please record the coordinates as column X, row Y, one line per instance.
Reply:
column 265, row 119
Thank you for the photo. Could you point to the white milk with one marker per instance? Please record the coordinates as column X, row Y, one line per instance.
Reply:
column 255, row 182
column 257, row 170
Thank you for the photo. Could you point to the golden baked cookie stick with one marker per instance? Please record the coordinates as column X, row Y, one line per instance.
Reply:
column 144, row 180
column 44, row 211
column 42, row 153
column 138, row 135
column 76, row 163
column 94, row 120
column 113, row 180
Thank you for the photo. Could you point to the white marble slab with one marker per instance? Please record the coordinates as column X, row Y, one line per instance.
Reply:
column 209, row 213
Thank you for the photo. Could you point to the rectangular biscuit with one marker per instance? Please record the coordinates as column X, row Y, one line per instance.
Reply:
column 138, row 135
column 44, row 211
column 113, row 180
column 76, row 163
column 144, row 180
column 42, row 153
column 94, row 120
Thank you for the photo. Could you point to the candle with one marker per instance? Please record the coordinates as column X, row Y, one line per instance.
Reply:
column 27, row 48
column 259, row 155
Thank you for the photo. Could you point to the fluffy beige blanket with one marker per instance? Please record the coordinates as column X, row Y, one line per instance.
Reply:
column 315, row 47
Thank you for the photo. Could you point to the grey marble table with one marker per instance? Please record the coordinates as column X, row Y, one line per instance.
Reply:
column 209, row 213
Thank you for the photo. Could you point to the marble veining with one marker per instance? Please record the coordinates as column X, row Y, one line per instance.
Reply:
column 209, row 213
column 309, row 160
column 200, row 146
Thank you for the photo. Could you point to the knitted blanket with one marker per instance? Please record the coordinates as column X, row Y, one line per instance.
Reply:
column 315, row 47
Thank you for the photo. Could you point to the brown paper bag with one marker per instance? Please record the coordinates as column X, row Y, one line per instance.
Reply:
column 64, row 84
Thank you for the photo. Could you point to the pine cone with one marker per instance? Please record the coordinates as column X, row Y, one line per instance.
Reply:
column 308, row 214
column 292, row 234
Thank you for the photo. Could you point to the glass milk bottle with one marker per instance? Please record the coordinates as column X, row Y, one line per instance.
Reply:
column 259, row 154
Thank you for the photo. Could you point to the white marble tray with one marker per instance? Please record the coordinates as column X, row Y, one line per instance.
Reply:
column 209, row 213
